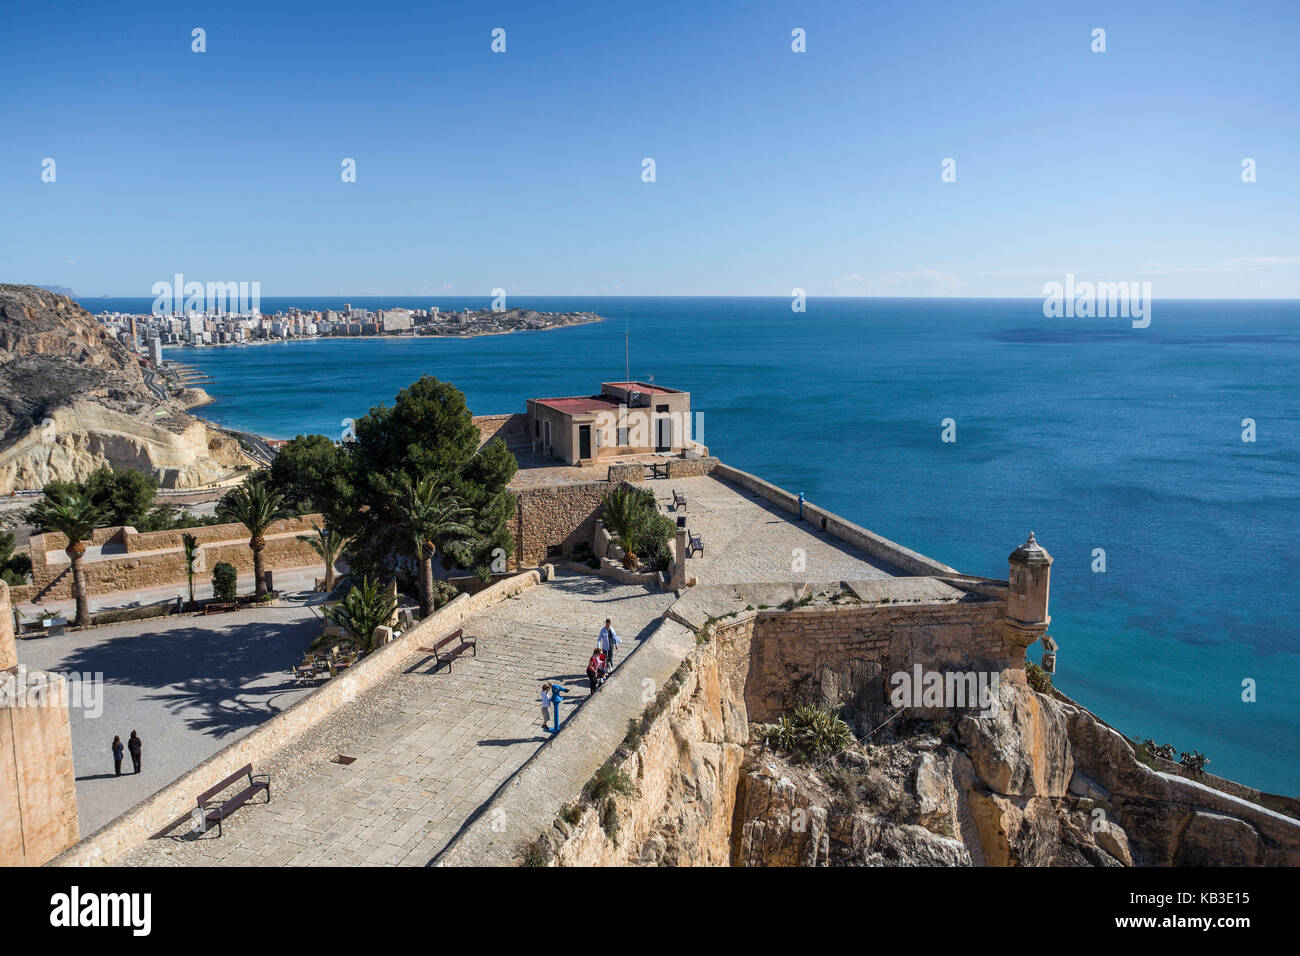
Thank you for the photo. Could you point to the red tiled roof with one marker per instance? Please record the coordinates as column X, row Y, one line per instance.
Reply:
column 579, row 404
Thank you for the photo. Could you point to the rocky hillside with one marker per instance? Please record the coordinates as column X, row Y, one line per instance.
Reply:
column 1039, row 782
column 72, row 398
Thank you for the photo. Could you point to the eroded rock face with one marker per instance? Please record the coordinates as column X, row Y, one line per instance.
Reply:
column 783, row 826
column 1024, row 748
column 73, row 399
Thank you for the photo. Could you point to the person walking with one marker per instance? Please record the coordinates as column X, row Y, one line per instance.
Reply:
column 134, row 746
column 117, row 755
column 596, row 668
column 608, row 641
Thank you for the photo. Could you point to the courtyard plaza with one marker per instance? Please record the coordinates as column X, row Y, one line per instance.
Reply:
column 429, row 746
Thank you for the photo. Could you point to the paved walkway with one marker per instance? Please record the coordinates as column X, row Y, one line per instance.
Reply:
column 748, row 539
column 431, row 747
column 188, row 684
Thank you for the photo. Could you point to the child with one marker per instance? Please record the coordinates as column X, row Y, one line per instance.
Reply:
column 546, row 706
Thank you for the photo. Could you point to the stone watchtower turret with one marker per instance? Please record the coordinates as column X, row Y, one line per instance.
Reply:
column 1030, row 582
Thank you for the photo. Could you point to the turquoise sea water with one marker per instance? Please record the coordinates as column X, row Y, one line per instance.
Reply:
column 1089, row 432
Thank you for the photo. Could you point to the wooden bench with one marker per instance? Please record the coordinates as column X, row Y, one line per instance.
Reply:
column 679, row 500
column 214, row 810
column 219, row 608
column 696, row 546
column 462, row 644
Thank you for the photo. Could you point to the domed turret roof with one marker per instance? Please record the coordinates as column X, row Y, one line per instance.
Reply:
column 1031, row 552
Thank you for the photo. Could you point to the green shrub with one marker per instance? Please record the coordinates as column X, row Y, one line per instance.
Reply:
column 224, row 581
column 1038, row 678
column 608, row 781
column 810, row 732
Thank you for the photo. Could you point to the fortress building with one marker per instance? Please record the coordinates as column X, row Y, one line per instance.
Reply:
column 626, row 418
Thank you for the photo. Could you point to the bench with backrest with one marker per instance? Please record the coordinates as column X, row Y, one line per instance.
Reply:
column 451, row 647
column 679, row 500
column 216, row 809
column 695, row 546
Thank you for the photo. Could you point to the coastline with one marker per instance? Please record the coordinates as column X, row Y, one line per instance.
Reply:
column 396, row 337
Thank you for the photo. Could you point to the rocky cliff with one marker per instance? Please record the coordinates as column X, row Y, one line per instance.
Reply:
column 1038, row 782
column 73, row 399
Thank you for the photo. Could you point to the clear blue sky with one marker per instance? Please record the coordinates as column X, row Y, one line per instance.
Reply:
column 522, row 170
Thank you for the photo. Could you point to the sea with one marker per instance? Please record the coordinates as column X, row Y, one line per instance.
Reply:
column 1160, row 466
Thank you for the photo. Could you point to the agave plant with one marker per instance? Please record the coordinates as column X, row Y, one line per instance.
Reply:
column 810, row 732
column 367, row 606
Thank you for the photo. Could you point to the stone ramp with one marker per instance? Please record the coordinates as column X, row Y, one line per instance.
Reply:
column 529, row 801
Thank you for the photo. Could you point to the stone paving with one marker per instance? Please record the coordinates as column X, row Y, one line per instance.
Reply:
column 747, row 539
column 431, row 747
column 188, row 684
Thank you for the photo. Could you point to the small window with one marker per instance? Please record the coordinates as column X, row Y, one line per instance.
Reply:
column 537, row 428
column 622, row 437
column 554, row 550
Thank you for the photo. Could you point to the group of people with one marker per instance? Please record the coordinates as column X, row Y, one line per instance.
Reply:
column 133, row 745
column 598, row 670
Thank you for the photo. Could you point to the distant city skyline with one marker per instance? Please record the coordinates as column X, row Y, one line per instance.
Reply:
column 129, row 157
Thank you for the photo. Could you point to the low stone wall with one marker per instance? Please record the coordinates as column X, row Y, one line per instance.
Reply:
column 175, row 800
column 677, row 468
column 157, row 558
column 904, row 559
column 615, row 571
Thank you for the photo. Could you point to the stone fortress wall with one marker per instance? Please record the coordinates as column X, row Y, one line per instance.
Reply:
column 128, row 559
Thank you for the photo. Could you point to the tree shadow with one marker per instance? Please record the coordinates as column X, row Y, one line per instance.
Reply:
column 219, row 679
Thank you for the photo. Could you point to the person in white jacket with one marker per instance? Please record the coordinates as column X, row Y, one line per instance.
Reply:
column 609, row 640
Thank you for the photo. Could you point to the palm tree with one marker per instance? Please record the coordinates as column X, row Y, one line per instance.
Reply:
column 431, row 516
column 329, row 544
column 626, row 511
column 367, row 606
column 191, row 546
column 256, row 507
column 74, row 516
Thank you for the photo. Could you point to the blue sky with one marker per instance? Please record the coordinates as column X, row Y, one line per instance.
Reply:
column 775, row 170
